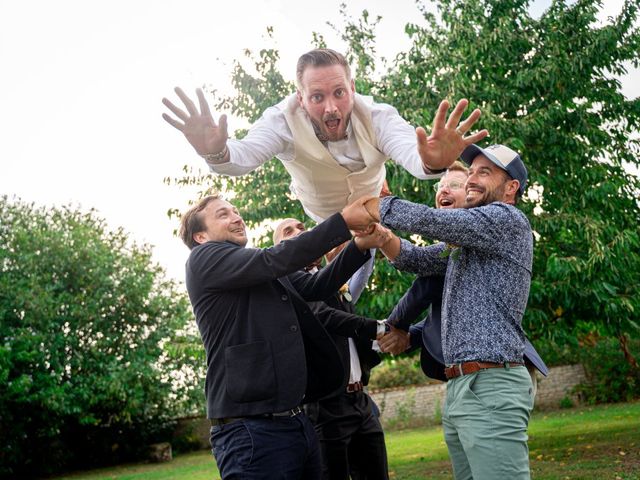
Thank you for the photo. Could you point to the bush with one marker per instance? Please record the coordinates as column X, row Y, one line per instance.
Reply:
column 566, row 402
column 610, row 377
column 398, row 372
column 92, row 358
column 563, row 349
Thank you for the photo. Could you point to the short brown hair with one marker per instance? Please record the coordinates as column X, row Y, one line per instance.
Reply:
column 191, row 223
column 458, row 166
column 320, row 57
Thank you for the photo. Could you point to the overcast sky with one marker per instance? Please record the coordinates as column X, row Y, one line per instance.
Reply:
column 81, row 84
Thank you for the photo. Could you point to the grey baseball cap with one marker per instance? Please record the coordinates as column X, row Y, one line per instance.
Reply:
column 505, row 158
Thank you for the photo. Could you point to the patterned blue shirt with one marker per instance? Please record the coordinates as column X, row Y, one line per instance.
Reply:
column 488, row 273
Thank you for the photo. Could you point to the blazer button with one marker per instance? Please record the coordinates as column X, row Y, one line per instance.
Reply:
column 293, row 328
column 284, row 298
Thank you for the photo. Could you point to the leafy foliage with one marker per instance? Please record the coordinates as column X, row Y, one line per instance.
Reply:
column 547, row 87
column 398, row 372
column 94, row 344
column 610, row 377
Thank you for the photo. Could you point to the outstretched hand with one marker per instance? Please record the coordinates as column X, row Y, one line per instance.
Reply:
column 447, row 140
column 394, row 342
column 199, row 128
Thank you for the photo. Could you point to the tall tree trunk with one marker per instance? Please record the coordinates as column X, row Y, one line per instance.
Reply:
column 631, row 360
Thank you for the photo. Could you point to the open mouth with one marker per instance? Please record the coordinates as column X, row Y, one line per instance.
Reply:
column 333, row 124
column 445, row 202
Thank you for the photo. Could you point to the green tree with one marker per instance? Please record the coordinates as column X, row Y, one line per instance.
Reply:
column 91, row 342
column 547, row 87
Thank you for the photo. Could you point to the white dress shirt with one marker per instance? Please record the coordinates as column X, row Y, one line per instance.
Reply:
column 271, row 137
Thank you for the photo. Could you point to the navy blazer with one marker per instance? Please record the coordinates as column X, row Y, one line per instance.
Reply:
column 427, row 334
column 266, row 350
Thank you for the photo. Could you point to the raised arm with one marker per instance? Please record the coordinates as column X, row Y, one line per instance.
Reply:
column 201, row 131
column 224, row 265
column 343, row 323
column 422, row 155
column 329, row 279
column 482, row 228
column 447, row 140
column 210, row 140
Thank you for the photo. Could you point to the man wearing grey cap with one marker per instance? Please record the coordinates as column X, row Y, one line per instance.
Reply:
column 486, row 255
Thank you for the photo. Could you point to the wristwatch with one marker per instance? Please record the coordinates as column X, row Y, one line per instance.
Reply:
column 383, row 327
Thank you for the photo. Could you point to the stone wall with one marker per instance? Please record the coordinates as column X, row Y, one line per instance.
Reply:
column 192, row 433
column 558, row 385
column 425, row 402
column 407, row 403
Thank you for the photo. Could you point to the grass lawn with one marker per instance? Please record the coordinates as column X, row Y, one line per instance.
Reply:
column 582, row 443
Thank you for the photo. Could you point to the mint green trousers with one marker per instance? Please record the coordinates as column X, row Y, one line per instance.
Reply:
column 485, row 422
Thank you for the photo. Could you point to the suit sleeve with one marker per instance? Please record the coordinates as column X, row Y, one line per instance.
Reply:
column 415, row 335
column 416, row 300
column 225, row 266
column 344, row 324
column 329, row 279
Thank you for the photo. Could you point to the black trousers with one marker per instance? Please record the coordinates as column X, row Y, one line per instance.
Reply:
column 351, row 437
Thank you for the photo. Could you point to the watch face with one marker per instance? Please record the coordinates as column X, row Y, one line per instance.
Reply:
column 347, row 296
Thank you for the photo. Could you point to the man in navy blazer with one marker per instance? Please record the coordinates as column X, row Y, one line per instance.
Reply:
column 267, row 353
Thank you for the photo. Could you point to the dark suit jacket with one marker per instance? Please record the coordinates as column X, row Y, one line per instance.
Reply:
column 265, row 348
column 425, row 292
column 339, row 318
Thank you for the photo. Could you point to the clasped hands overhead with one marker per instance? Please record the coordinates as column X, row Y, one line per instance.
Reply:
column 362, row 215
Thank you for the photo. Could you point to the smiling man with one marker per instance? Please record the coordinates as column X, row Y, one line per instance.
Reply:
column 486, row 255
column 450, row 189
column 426, row 292
column 266, row 350
column 332, row 141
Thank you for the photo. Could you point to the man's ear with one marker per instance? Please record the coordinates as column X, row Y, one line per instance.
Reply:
column 200, row 237
column 512, row 187
column 299, row 97
column 353, row 86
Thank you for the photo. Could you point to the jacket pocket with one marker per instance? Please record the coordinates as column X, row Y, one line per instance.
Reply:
column 250, row 373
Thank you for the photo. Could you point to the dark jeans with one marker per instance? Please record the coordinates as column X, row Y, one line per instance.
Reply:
column 281, row 448
column 351, row 437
